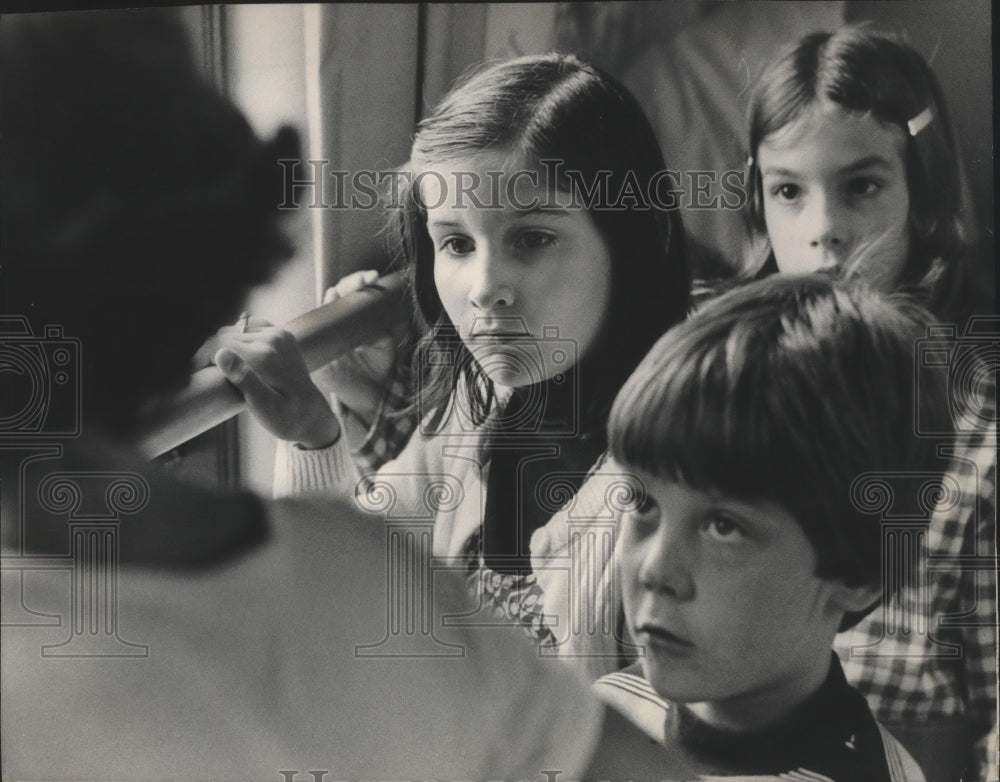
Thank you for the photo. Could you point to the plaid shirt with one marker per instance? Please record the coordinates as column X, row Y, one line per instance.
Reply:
column 394, row 424
column 924, row 670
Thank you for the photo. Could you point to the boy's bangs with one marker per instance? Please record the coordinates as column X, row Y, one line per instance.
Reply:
column 747, row 397
column 708, row 417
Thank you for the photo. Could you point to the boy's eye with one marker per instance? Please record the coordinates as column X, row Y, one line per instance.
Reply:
column 723, row 527
column 863, row 186
column 644, row 506
column 786, row 192
column 457, row 245
column 535, row 240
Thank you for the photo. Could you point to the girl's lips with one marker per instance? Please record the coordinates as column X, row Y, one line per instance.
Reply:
column 497, row 338
column 498, row 327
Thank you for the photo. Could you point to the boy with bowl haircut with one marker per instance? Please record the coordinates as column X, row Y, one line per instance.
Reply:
column 752, row 429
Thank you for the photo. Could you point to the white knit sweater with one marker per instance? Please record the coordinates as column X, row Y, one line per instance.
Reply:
column 440, row 481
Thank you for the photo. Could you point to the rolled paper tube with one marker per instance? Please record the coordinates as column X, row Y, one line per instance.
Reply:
column 323, row 334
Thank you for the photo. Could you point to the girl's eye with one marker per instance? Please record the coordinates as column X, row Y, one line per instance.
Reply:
column 457, row 245
column 863, row 186
column 723, row 527
column 535, row 240
column 786, row 192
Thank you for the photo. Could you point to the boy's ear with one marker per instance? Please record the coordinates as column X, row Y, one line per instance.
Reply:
column 851, row 599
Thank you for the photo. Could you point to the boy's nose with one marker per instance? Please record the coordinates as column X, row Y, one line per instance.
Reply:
column 491, row 287
column 665, row 567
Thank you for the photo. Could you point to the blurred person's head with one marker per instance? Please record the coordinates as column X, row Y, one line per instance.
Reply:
column 137, row 206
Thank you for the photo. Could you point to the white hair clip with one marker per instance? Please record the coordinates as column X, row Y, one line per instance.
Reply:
column 921, row 121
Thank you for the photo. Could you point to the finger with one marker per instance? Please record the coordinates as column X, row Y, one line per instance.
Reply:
column 330, row 294
column 253, row 324
column 258, row 323
column 378, row 346
column 352, row 282
column 239, row 373
column 260, row 336
column 204, row 355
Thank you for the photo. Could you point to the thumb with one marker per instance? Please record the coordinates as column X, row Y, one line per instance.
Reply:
column 351, row 283
column 204, row 355
column 239, row 373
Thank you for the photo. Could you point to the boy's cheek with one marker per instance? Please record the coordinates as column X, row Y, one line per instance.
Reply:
column 631, row 592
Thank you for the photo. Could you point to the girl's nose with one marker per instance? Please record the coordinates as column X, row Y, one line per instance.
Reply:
column 827, row 230
column 665, row 567
column 491, row 285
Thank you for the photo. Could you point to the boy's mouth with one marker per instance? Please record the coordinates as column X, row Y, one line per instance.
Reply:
column 659, row 636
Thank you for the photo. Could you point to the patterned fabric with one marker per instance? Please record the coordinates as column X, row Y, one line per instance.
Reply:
column 911, row 681
column 394, row 424
column 514, row 598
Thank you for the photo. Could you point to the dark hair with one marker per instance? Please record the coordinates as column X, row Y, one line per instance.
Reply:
column 542, row 108
column 138, row 206
column 789, row 389
column 870, row 72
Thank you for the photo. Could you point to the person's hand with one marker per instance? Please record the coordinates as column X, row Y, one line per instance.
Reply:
column 265, row 364
column 359, row 378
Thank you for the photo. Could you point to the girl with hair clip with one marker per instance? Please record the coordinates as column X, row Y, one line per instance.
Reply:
column 540, row 289
column 854, row 168
column 853, row 164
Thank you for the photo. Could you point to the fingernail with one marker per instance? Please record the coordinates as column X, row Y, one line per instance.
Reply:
column 227, row 361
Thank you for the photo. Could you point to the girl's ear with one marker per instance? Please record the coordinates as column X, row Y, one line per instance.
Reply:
column 755, row 205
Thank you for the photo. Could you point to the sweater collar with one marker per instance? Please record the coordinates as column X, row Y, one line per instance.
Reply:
column 834, row 724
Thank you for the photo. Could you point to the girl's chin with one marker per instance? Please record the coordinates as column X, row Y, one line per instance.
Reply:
column 513, row 379
column 510, row 364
